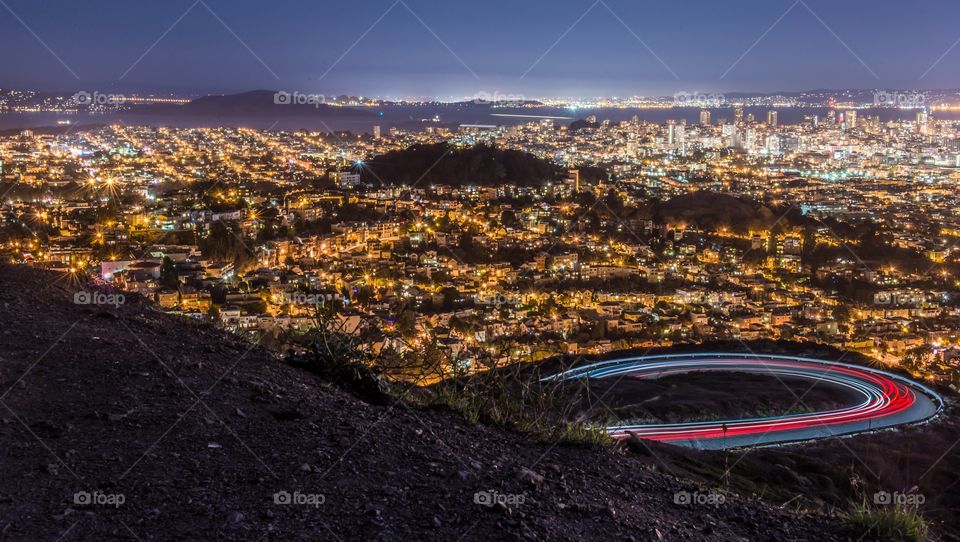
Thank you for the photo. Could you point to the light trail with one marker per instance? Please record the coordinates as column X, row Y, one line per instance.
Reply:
column 887, row 399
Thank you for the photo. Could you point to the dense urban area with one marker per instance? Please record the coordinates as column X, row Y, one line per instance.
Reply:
column 528, row 241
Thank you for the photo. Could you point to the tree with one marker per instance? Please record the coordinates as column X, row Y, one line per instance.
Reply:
column 450, row 296
column 168, row 274
column 407, row 323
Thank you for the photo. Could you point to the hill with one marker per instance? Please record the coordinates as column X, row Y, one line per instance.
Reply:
column 710, row 210
column 442, row 163
column 252, row 104
column 197, row 433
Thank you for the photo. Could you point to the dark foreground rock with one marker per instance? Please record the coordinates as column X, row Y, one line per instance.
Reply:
column 126, row 424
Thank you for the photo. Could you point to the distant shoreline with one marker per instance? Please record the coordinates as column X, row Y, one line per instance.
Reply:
column 420, row 117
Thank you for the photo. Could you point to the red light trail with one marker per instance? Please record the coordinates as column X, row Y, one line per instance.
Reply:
column 888, row 399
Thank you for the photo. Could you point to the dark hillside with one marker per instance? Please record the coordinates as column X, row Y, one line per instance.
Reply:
column 444, row 164
column 198, row 431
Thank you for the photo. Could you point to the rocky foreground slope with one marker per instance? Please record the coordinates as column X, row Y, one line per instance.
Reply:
column 120, row 423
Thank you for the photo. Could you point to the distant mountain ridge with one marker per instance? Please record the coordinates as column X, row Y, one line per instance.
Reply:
column 255, row 103
column 259, row 99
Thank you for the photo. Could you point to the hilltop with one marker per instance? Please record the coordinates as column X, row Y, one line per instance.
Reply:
column 713, row 210
column 198, row 430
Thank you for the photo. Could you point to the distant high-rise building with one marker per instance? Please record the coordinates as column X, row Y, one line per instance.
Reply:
column 705, row 117
column 573, row 179
column 376, row 132
column 773, row 144
column 738, row 114
column 923, row 122
column 850, row 120
column 729, row 134
column 772, row 118
column 677, row 134
column 792, row 143
column 750, row 139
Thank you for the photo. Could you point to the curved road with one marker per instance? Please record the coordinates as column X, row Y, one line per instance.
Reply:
column 886, row 399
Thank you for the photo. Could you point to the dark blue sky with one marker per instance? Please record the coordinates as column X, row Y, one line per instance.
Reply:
column 479, row 46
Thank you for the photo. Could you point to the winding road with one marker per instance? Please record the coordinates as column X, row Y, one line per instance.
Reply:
column 887, row 399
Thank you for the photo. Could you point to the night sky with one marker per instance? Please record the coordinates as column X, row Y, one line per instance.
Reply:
column 456, row 48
